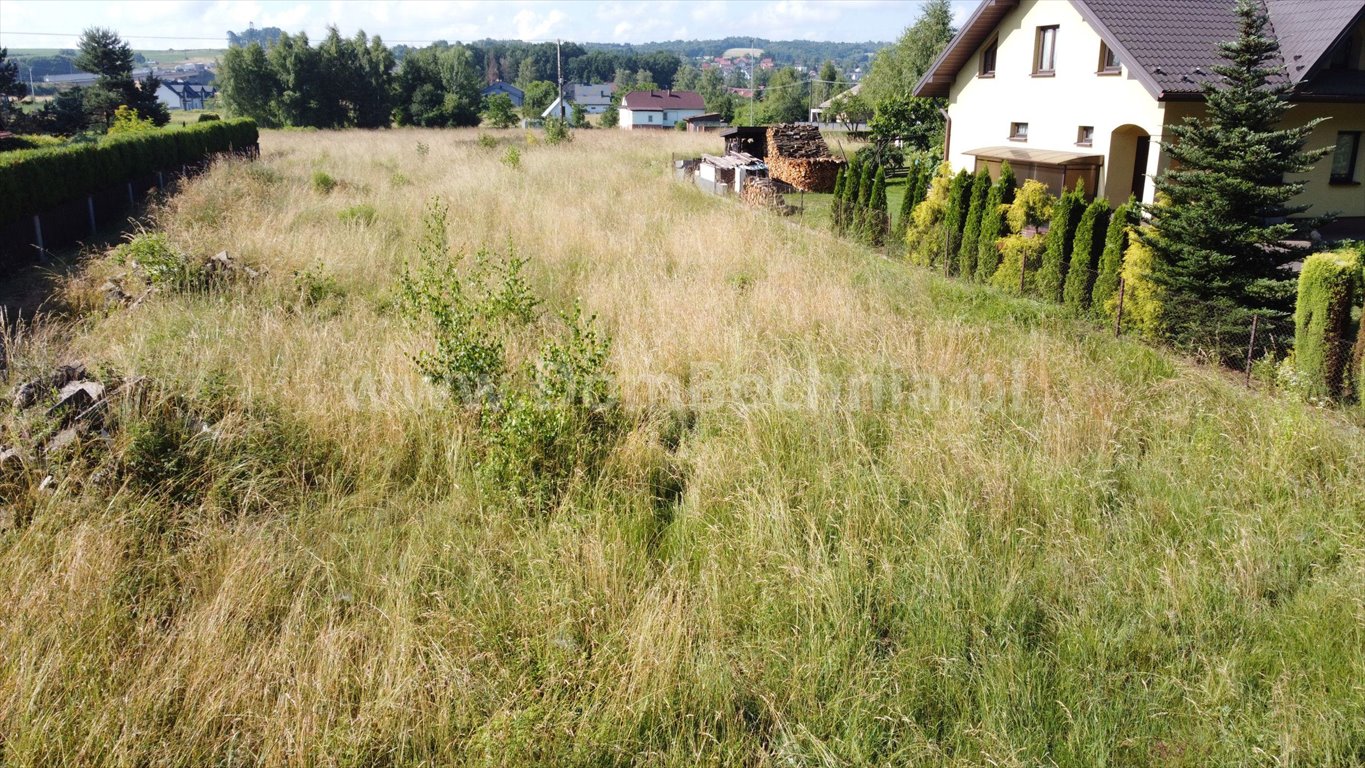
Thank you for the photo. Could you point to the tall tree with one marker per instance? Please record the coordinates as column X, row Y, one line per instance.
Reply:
column 10, row 84
column 1220, row 230
column 248, row 84
column 102, row 52
column 897, row 68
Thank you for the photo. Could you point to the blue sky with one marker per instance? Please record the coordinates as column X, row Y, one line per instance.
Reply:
column 158, row 24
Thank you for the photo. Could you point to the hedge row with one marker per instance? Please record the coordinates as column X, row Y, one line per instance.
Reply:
column 35, row 180
column 1328, row 288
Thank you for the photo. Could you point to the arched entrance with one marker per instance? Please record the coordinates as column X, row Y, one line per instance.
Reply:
column 1129, row 147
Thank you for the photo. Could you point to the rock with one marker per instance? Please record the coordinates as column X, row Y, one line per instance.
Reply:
column 75, row 399
column 113, row 294
column 62, row 440
column 46, row 484
column 10, row 459
column 31, row 392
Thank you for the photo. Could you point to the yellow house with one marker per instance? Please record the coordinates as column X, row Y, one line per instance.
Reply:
column 1071, row 90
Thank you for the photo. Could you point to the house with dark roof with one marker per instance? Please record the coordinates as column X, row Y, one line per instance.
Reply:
column 178, row 94
column 1069, row 90
column 514, row 93
column 594, row 99
column 659, row 109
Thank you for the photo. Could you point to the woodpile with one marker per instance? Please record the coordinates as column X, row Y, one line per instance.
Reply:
column 798, row 155
column 764, row 193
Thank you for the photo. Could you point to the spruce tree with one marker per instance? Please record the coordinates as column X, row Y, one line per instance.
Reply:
column 1219, row 250
column 877, row 224
column 1086, row 247
column 967, row 251
column 836, row 205
column 956, row 216
column 1111, row 260
column 1065, row 216
column 992, row 226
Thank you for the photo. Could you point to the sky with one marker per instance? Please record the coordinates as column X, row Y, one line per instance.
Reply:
column 161, row 24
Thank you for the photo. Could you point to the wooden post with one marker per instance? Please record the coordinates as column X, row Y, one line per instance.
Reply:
column 131, row 199
column 1118, row 317
column 1251, row 346
column 38, row 234
column 90, row 211
column 161, row 181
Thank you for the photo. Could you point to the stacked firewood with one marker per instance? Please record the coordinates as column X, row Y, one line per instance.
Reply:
column 764, row 193
column 798, row 155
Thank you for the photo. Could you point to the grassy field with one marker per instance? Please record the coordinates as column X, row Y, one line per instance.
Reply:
column 853, row 513
column 163, row 57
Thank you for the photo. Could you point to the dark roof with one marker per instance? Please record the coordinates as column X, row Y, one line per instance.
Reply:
column 502, row 86
column 650, row 100
column 746, row 131
column 1170, row 46
column 1308, row 30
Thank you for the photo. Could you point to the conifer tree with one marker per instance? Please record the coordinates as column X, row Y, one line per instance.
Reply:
column 860, row 216
column 877, row 223
column 849, row 205
column 837, row 204
column 967, row 251
column 1218, row 249
column 1086, row 247
column 1066, row 215
column 956, row 216
column 1008, row 184
column 914, row 181
column 992, row 224
column 1111, row 259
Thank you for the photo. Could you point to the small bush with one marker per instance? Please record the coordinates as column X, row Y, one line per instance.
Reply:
column 398, row 180
column 1032, row 206
column 323, row 182
column 151, row 255
column 557, row 131
column 362, row 215
column 924, row 241
column 1018, row 253
column 1329, row 288
column 315, row 286
column 126, row 120
column 512, row 158
column 208, row 117
column 422, row 149
column 487, row 141
column 1143, row 297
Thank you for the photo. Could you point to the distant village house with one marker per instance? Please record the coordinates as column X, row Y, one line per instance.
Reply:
column 659, row 109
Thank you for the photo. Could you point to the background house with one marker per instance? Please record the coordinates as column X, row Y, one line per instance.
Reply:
column 1085, row 89
column 593, row 98
column 659, row 109
column 512, row 92
column 179, row 94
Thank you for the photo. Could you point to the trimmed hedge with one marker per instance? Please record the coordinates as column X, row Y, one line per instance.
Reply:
column 34, row 180
column 1328, row 287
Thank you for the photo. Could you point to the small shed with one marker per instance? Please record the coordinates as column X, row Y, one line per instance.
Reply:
column 726, row 174
column 749, row 139
column 711, row 121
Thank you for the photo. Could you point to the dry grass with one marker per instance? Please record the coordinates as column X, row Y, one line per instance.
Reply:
column 915, row 522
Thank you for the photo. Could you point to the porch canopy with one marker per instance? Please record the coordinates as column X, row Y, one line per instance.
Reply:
column 1057, row 169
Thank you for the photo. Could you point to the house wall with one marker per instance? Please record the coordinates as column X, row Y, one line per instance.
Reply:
column 644, row 118
column 1343, row 200
column 982, row 108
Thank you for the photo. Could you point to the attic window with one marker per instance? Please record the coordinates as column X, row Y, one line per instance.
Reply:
column 988, row 59
column 1018, row 131
column 1109, row 61
column 1045, row 51
column 1085, row 135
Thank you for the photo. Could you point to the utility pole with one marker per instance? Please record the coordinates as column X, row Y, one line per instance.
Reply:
column 559, row 73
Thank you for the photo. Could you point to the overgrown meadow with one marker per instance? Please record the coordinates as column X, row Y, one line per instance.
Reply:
column 500, row 453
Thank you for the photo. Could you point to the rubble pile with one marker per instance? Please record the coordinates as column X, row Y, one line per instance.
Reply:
column 798, row 155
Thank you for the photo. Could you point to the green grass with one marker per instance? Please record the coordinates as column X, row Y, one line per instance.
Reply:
column 855, row 514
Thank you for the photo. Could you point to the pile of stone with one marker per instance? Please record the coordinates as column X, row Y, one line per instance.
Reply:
column 79, row 407
column 799, row 156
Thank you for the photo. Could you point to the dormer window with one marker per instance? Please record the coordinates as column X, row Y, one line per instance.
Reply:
column 988, row 59
column 1109, row 61
column 1045, row 51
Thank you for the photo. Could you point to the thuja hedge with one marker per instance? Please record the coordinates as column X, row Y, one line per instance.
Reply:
column 1328, row 286
column 35, row 180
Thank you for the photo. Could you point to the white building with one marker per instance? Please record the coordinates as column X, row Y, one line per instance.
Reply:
column 594, row 99
column 659, row 109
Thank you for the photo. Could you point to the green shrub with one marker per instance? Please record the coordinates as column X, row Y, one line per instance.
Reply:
column 557, row 131
column 1329, row 288
column 1111, row 260
column 876, row 224
column 971, row 231
column 151, row 254
column 34, row 180
column 487, row 141
column 916, row 183
column 1018, row 253
column 208, row 117
column 924, row 242
column 1066, row 215
column 987, row 241
column 955, row 217
column 323, row 182
column 126, row 120
column 1086, row 247
column 1143, row 297
column 512, row 158
column 423, row 149
column 362, row 214
column 1031, row 207
column 836, row 202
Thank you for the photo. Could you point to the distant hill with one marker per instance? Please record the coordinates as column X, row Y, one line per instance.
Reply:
column 811, row 53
